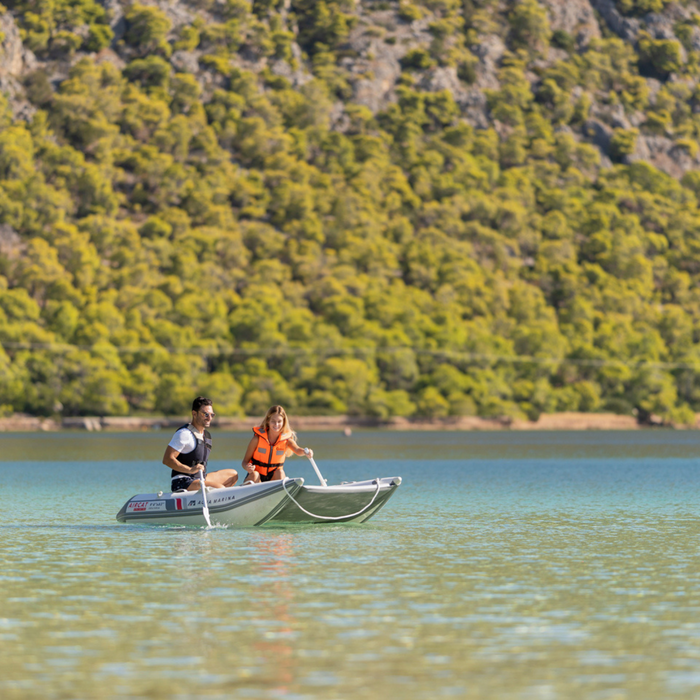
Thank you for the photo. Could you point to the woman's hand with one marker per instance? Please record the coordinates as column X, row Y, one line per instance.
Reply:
column 197, row 468
column 250, row 467
column 308, row 452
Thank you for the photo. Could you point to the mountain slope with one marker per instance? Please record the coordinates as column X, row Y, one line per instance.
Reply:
column 377, row 208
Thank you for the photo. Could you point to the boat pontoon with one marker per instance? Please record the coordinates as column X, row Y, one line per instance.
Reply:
column 351, row 501
column 236, row 506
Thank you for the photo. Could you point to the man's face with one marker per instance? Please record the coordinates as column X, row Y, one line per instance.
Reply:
column 205, row 415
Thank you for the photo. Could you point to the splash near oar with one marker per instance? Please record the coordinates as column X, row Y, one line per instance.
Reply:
column 205, row 505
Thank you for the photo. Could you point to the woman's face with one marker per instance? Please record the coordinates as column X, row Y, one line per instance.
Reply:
column 276, row 422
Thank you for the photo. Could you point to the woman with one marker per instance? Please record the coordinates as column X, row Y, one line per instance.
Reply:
column 273, row 441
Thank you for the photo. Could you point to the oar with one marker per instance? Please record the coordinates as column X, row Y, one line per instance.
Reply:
column 316, row 469
column 205, row 507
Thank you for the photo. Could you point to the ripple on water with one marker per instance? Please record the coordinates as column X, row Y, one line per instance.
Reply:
column 491, row 575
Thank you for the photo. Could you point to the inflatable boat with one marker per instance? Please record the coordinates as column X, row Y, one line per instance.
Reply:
column 273, row 502
column 351, row 501
column 237, row 506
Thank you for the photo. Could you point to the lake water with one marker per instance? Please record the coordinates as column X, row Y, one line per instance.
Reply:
column 507, row 565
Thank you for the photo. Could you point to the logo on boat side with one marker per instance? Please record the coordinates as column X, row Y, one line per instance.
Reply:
column 140, row 506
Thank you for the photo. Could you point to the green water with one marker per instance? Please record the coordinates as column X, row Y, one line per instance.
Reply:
column 561, row 565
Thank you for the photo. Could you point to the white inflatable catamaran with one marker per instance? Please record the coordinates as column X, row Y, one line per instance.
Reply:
column 273, row 502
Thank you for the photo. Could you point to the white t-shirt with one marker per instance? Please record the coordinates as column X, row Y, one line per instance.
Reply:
column 183, row 441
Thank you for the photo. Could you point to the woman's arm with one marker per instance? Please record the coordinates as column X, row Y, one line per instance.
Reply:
column 299, row 451
column 246, row 463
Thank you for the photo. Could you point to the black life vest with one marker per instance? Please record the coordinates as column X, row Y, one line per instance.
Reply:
column 200, row 454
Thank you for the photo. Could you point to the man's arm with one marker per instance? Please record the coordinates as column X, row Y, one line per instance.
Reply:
column 170, row 459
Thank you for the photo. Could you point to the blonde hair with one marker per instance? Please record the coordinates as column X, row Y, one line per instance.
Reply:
column 286, row 431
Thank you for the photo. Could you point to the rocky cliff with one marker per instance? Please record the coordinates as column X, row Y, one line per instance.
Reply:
column 626, row 71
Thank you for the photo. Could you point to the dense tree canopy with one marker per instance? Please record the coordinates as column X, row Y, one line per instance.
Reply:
column 164, row 233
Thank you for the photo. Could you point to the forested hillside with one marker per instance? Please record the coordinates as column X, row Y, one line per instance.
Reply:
column 448, row 207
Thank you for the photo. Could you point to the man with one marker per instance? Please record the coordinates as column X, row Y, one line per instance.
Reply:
column 188, row 452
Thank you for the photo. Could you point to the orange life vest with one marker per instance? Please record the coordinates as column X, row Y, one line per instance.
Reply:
column 268, row 458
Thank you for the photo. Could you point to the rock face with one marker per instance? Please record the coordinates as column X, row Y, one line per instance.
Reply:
column 664, row 154
column 490, row 51
column 185, row 61
column 375, row 84
column 11, row 245
column 15, row 61
column 12, row 60
column 377, row 65
column 599, row 134
column 625, row 27
column 576, row 17
column 374, row 52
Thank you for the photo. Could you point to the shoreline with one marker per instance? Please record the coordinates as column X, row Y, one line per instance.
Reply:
column 547, row 421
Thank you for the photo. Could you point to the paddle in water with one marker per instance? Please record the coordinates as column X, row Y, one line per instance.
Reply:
column 205, row 506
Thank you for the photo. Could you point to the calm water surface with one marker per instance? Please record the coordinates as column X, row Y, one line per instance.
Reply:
column 547, row 565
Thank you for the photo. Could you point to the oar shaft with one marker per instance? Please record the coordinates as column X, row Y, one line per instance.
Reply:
column 316, row 469
column 205, row 505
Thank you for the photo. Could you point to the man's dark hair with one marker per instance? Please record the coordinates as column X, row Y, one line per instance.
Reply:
column 199, row 402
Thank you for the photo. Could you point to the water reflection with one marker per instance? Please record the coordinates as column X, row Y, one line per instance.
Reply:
column 273, row 562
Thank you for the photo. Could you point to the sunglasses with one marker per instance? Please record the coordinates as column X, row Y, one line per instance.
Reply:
column 208, row 415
